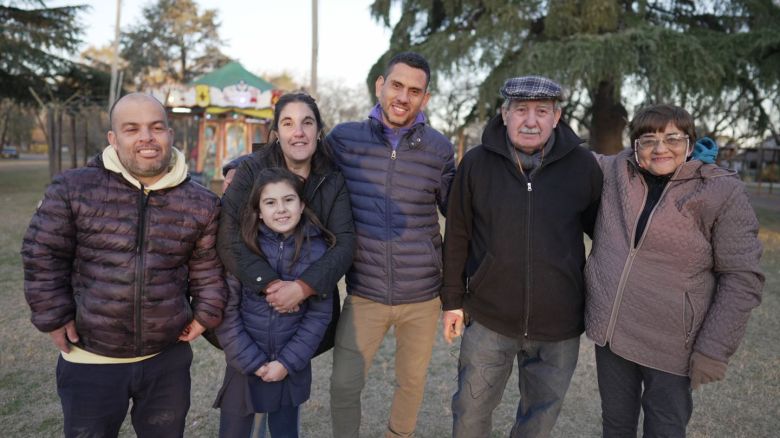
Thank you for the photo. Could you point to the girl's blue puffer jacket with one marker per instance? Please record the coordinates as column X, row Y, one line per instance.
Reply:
column 253, row 333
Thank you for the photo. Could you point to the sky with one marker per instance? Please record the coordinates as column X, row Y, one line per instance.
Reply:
column 270, row 36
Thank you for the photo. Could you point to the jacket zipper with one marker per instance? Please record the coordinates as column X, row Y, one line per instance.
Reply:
column 388, row 224
column 632, row 254
column 139, row 270
column 271, row 347
column 528, row 257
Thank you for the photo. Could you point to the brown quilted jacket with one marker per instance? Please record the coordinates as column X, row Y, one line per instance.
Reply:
column 692, row 280
column 132, row 270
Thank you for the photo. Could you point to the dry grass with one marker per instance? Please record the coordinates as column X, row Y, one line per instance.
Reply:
column 744, row 405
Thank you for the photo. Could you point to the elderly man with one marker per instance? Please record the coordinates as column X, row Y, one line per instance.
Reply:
column 121, row 271
column 513, row 260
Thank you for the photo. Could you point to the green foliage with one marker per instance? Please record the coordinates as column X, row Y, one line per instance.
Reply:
column 34, row 45
column 176, row 41
column 712, row 57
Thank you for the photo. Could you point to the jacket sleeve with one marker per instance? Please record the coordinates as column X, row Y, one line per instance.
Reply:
column 299, row 350
column 207, row 282
column 253, row 271
column 447, row 174
column 588, row 216
column 736, row 256
column 324, row 274
column 241, row 351
column 456, row 239
column 48, row 250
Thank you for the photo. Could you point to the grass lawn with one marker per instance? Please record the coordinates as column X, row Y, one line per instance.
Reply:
column 746, row 404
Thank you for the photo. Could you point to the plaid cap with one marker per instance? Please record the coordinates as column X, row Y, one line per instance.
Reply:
column 531, row 88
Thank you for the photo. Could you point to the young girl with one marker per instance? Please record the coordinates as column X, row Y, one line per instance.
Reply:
column 269, row 353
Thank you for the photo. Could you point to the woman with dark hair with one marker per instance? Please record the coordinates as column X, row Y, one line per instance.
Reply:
column 296, row 143
column 672, row 276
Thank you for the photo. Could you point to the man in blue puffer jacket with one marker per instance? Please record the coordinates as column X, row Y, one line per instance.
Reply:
column 397, row 169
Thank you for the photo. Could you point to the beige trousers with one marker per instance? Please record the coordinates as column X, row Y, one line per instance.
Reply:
column 362, row 327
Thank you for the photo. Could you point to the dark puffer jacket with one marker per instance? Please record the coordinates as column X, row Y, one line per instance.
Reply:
column 394, row 197
column 253, row 333
column 131, row 269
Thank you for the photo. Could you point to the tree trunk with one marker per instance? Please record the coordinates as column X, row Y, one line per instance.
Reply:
column 73, row 151
column 59, row 139
column 52, row 139
column 609, row 119
column 6, row 116
column 86, row 140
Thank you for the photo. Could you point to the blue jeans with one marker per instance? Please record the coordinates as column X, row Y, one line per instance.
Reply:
column 486, row 360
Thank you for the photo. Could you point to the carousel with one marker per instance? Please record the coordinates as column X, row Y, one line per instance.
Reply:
column 218, row 117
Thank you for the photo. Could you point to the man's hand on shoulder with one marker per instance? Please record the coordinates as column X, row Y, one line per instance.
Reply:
column 65, row 335
column 192, row 331
column 453, row 324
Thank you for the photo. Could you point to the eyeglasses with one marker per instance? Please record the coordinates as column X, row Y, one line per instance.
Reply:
column 673, row 141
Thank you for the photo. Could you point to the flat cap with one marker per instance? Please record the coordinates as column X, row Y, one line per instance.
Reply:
column 531, row 88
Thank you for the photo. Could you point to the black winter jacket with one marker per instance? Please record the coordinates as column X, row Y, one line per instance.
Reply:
column 514, row 251
column 131, row 269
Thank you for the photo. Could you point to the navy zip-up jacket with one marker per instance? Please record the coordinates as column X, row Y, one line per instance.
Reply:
column 394, row 195
column 253, row 333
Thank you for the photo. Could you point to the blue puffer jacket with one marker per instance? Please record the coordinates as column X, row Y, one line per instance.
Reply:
column 253, row 333
column 394, row 195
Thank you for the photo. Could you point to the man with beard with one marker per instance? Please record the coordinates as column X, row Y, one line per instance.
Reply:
column 398, row 170
column 514, row 256
column 121, row 271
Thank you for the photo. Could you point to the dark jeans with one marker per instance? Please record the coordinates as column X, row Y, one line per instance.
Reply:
column 486, row 360
column 283, row 423
column 665, row 398
column 95, row 397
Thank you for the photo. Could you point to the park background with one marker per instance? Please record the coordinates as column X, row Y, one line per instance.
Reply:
column 721, row 60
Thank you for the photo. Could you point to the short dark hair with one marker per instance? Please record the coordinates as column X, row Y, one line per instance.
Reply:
column 412, row 59
column 654, row 118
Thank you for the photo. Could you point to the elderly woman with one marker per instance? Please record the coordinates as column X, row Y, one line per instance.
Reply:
column 672, row 277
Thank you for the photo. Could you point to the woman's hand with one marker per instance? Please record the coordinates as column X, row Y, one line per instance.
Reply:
column 285, row 296
column 272, row 372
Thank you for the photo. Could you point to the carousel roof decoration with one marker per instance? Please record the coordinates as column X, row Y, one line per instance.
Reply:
column 229, row 88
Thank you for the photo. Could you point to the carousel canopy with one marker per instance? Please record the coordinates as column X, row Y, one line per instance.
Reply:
column 232, row 74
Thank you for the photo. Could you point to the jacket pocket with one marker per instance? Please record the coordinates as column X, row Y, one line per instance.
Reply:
column 473, row 282
column 434, row 245
column 689, row 318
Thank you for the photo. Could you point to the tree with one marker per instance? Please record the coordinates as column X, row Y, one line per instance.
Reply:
column 339, row 102
column 175, row 42
column 721, row 60
column 34, row 43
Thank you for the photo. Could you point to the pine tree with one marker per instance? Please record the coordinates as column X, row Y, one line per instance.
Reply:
column 720, row 60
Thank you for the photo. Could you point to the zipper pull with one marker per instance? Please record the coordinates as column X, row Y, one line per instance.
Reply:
column 393, row 155
column 529, row 186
